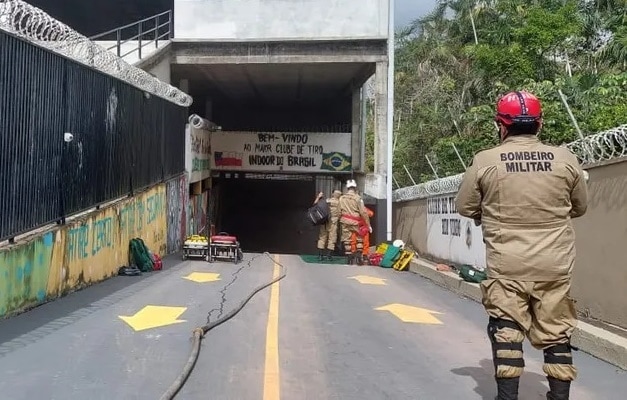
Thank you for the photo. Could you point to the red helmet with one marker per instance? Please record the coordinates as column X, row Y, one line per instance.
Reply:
column 518, row 108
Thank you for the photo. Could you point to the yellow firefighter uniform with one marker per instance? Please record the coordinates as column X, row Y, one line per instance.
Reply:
column 327, row 237
column 352, row 214
column 525, row 193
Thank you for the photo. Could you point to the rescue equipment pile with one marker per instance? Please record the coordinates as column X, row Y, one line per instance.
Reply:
column 141, row 259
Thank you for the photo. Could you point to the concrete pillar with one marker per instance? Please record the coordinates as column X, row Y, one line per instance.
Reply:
column 357, row 141
column 381, row 115
column 375, row 184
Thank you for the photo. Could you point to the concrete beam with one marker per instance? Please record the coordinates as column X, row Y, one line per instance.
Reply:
column 328, row 51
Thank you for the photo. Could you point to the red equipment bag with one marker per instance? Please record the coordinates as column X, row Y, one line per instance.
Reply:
column 158, row 264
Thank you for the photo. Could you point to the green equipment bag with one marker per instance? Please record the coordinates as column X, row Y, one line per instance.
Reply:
column 471, row 274
column 391, row 255
column 139, row 255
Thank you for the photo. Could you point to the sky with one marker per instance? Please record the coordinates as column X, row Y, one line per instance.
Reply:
column 408, row 10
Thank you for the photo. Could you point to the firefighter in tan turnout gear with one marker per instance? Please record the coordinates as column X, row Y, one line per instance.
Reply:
column 353, row 213
column 327, row 237
column 524, row 194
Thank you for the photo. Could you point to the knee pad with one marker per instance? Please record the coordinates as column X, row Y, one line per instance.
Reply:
column 507, row 347
column 558, row 362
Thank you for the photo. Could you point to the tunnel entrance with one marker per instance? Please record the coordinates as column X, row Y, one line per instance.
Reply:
column 290, row 123
column 267, row 211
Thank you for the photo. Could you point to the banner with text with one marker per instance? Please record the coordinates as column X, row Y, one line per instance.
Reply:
column 286, row 152
column 198, row 154
column 453, row 237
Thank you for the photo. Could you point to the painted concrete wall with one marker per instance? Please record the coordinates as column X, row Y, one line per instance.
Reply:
column 197, row 215
column 177, row 198
column 154, row 61
column 85, row 251
column 600, row 275
column 280, row 19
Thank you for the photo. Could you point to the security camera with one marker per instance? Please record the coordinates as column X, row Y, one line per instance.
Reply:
column 68, row 137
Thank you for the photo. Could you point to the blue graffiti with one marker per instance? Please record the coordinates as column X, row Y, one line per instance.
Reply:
column 89, row 239
column 48, row 239
column 136, row 215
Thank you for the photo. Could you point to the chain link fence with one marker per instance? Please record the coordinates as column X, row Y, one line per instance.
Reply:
column 603, row 146
column 34, row 25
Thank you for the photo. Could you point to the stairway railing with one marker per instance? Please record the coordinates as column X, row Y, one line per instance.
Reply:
column 147, row 31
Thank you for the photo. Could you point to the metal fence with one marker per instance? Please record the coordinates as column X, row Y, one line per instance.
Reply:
column 603, row 146
column 34, row 25
column 123, row 139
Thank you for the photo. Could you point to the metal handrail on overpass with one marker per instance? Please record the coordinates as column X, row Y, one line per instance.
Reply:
column 156, row 23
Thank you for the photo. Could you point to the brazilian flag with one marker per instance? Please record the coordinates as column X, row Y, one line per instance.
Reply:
column 335, row 161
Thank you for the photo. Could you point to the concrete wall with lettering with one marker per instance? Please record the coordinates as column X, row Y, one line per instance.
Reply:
column 600, row 274
column 177, row 198
column 280, row 19
column 87, row 250
column 197, row 154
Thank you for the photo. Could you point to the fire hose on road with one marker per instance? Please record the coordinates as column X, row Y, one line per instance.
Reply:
column 200, row 332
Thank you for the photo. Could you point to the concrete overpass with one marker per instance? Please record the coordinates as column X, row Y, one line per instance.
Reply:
column 297, row 67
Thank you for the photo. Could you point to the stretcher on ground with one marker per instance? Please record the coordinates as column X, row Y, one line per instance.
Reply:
column 224, row 247
column 196, row 246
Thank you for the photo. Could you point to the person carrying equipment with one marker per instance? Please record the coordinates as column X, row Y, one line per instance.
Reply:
column 524, row 194
column 353, row 212
column 327, row 237
column 365, row 237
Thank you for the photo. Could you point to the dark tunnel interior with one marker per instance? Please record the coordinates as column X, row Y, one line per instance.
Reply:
column 266, row 215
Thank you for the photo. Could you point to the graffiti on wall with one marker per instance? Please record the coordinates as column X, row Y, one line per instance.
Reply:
column 83, row 252
column 198, row 144
column 176, row 201
column 198, row 221
column 453, row 237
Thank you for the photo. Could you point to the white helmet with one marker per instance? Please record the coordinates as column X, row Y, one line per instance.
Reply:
column 351, row 184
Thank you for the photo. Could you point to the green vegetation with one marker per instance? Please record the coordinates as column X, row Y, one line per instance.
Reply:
column 449, row 75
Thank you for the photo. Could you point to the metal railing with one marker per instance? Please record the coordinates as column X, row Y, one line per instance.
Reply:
column 603, row 146
column 34, row 25
column 146, row 32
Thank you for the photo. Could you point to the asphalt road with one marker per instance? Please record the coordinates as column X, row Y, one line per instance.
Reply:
column 320, row 333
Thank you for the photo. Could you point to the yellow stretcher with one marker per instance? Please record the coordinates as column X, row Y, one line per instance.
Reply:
column 196, row 246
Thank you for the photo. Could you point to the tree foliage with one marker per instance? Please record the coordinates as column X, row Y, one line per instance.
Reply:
column 449, row 75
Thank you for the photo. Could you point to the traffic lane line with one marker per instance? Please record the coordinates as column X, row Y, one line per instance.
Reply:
column 272, row 377
column 231, row 360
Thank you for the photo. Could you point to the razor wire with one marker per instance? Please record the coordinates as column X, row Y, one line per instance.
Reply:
column 36, row 26
column 602, row 146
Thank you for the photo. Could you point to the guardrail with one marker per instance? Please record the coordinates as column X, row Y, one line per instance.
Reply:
column 159, row 28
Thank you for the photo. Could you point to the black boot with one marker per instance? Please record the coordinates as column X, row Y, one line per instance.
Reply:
column 507, row 388
column 320, row 255
column 360, row 259
column 559, row 390
column 350, row 259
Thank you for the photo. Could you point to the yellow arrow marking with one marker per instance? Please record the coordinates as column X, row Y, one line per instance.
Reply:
column 202, row 277
column 368, row 280
column 154, row 317
column 411, row 314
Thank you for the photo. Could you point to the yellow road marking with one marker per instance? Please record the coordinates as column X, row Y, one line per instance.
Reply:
column 411, row 314
column 153, row 317
column 368, row 280
column 271, row 378
column 202, row 277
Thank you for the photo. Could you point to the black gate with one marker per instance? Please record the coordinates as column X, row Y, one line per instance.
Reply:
column 123, row 139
